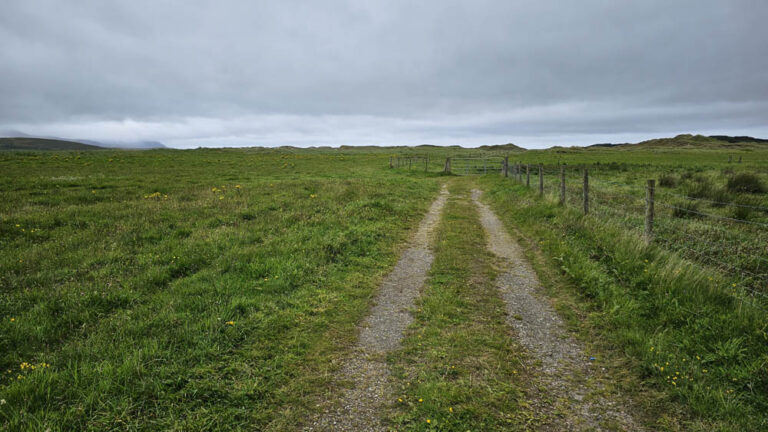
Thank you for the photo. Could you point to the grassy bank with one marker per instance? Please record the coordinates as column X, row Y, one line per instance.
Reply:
column 677, row 320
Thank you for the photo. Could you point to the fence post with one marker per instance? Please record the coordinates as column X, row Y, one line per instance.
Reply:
column 390, row 161
column 527, row 175
column 447, row 168
column 410, row 162
column 485, row 167
column 426, row 163
column 505, row 168
column 562, row 185
column 541, row 180
column 586, row 191
column 650, row 192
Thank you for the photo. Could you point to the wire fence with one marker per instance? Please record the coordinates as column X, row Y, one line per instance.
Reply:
column 734, row 249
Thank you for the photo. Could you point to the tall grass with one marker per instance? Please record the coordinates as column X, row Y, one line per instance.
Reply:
column 678, row 319
column 170, row 290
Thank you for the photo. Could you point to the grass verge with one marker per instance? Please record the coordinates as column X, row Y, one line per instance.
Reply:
column 681, row 333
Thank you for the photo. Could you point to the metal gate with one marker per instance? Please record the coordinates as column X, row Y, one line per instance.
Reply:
column 477, row 165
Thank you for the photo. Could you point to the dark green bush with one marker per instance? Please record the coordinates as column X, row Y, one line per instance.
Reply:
column 746, row 182
column 702, row 188
column 741, row 213
column 685, row 209
column 720, row 197
column 667, row 181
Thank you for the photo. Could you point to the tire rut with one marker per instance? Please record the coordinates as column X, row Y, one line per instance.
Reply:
column 381, row 332
column 562, row 398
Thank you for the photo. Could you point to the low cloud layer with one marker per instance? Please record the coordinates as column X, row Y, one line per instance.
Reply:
column 236, row 73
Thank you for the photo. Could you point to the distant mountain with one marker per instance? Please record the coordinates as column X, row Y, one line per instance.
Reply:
column 16, row 140
column 28, row 143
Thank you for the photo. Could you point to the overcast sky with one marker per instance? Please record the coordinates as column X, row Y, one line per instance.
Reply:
column 232, row 73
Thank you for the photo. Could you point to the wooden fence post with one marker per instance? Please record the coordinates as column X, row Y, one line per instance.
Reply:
column 527, row 175
column 562, row 185
column 505, row 167
column 390, row 161
column 447, row 168
column 586, row 191
column 650, row 193
column 541, row 180
column 410, row 162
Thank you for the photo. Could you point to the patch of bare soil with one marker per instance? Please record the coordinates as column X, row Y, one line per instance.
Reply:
column 366, row 370
column 563, row 398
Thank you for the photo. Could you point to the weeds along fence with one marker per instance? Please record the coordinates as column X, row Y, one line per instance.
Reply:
column 715, row 235
column 702, row 231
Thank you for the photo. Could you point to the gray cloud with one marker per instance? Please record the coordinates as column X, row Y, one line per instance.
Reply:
column 388, row 72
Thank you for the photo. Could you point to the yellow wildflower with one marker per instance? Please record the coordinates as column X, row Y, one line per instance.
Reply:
column 230, row 323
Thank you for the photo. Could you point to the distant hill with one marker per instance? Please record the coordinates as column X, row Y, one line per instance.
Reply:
column 53, row 143
column 739, row 139
column 504, row 147
column 693, row 141
column 28, row 143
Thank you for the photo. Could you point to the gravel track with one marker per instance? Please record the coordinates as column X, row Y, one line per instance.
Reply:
column 561, row 398
column 381, row 332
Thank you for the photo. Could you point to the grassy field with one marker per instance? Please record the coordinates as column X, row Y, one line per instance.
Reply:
column 689, row 310
column 213, row 289
column 186, row 290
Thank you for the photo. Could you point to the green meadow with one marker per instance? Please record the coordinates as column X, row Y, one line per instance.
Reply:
column 199, row 290
column 217, row 289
